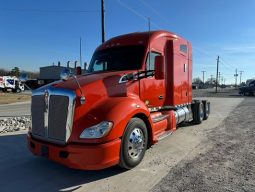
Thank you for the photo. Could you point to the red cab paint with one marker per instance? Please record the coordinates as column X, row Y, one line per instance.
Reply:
column 111, row 114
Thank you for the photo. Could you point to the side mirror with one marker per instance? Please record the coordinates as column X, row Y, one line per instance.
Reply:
column 65, row 74
column 159, row 67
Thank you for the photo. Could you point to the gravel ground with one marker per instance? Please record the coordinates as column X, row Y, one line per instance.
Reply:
column 14, row 124
column 224, row 161
column 194, row 158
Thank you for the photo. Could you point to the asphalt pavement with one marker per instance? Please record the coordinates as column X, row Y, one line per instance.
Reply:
column 15, row 109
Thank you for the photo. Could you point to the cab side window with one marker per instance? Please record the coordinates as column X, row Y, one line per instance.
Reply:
column 100, row 65
column 150, row 61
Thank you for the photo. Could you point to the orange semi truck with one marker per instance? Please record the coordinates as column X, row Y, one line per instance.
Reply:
column 137, row 90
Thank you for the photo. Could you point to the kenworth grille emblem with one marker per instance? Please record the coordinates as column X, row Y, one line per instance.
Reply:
column 46, row 100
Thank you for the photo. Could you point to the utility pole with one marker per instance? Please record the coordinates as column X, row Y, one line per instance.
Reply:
column 241, row 77
column 203, row 77
column 235, row 75
column 218, row 60
column 102, row 20
column 219, row 78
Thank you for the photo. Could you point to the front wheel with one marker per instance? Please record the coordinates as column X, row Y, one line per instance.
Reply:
column 18, row 90
column 134, row 143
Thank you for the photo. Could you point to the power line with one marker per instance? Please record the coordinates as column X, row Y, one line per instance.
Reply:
column 49, row 10
column 155, row 12
column 231, row 68
column 135, row 12
column 203, row 52
column 224, row 62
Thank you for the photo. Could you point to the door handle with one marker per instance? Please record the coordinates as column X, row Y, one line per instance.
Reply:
column 160, row 97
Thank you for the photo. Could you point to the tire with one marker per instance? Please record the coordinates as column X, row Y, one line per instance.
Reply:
column 134, row 143
column 198, row 112
column 206, row 105
column 18, row 90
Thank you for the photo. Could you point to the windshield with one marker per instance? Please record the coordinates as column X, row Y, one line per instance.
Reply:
column 117, row 59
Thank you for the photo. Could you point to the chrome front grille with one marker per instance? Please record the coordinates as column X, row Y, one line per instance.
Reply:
column 58, row 117
column 52, row 114
column 37, row 111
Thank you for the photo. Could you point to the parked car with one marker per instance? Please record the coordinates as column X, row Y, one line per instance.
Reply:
column 248, row 90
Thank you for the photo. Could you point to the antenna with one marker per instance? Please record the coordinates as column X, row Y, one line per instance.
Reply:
column 80, row 53
column 102, row 21
column 149, row 55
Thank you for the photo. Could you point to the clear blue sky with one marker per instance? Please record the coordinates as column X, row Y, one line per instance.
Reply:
column 37, row 33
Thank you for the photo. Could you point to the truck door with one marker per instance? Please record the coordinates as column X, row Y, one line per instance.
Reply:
column 152, row 91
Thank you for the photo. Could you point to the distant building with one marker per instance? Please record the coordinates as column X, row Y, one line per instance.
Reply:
column 52, row 73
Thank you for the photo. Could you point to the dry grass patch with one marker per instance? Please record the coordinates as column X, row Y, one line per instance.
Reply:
column 7, row 98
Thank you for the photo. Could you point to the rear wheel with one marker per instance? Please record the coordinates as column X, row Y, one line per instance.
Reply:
column 206, row 105
column 134, row 143
column 198, row 112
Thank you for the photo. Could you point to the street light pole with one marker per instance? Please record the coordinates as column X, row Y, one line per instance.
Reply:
column 203, row 76
column 241, row 77
column 218, row 60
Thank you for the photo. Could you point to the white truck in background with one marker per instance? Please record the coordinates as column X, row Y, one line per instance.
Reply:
column 11, row 83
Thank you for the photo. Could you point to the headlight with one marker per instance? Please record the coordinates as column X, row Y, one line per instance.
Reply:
column 97, row 131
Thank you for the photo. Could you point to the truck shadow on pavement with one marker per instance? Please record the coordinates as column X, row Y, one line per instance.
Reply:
column 21, row 171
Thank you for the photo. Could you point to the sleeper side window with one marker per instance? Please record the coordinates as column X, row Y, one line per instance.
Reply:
column 184, row 49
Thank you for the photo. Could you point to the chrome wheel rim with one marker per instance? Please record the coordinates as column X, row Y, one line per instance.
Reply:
column 136, row 143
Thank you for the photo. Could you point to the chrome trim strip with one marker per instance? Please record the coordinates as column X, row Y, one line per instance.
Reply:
column 123, row 79
column 167, row 107
column 159, row 118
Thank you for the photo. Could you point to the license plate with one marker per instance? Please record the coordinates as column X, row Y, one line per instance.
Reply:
column 44, row 151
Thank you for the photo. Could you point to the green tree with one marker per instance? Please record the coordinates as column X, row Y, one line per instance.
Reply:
column 197, row 80
column 15, row 72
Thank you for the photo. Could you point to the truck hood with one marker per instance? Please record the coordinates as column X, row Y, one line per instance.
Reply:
column 109, row 79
